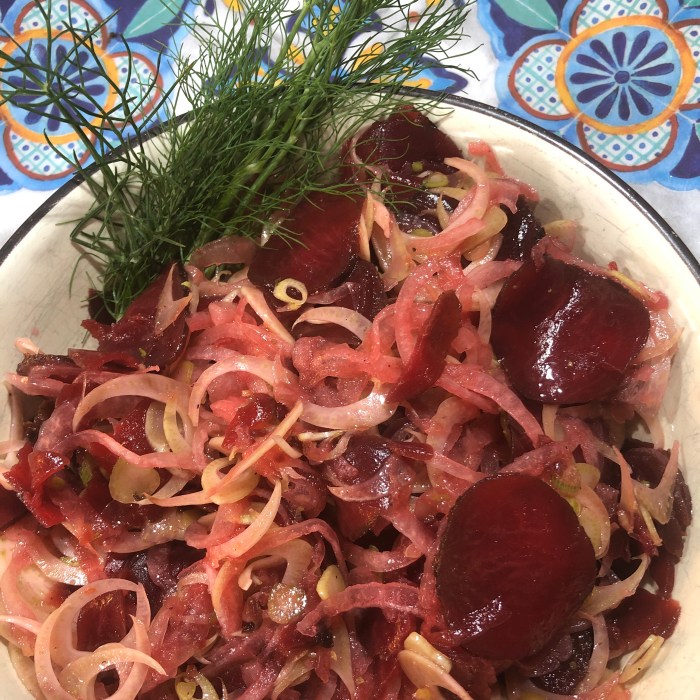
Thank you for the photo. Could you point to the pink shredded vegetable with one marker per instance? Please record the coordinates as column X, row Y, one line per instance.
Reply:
column 261, row 504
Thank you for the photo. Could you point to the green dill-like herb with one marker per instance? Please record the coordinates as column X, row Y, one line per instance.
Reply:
column 255, row 140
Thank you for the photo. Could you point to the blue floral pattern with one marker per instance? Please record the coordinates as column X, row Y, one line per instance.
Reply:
column 28, row 160
column 81, row 67
column 151, row 27
column 619, row 74
column 618, row 78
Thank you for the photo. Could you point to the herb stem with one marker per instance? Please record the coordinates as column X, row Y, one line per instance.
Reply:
column 256, row 140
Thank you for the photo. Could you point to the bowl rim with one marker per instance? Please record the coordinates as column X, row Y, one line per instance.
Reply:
column 611, row 178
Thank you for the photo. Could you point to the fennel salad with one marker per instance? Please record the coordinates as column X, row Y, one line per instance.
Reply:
column 363, row 428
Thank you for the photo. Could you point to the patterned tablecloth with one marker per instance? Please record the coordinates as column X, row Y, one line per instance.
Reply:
column 619, row 79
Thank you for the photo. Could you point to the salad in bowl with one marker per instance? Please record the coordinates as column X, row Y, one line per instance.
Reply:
column 427, row 432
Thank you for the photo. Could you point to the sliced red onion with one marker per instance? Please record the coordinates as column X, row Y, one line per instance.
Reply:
column 341, row 663
column 238, row 363
column 604, row 598
column 152, row 386
column 240, row 544
column 389, row 245
column 360, row 415
column 160, row 460
column 168, row 308
column 659, row 501
column 55, row 641
column 25, row 623
column 49, row 564
column 170, row 527
column 257, row 302
column 296, row 670
column 346, row 318
column 594, row 519
column 229, row 250
column 597, row 664
column 400, row 597
column 456, row 378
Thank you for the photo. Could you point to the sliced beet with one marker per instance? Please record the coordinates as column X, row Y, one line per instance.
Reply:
column 564, row 335
column 32, row 479
column 521, row 232
column 133, row 340
column 404, row 138
column 103, row 620
column 427, row 360
column 513, row 566
column 325, row 227
column 477, row 676
column 363, row 458
column 571, row 670
column 11, row 508
column 364, row 294
column 637, row 617
column 253, row 419
column 365, row 287
column 130, row 431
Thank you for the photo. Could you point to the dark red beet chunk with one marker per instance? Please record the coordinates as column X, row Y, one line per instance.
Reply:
column 11, row 508
column 130, row 431
column 513, row 566
column 521, row 232
column 363, row 458
column 103, row 620
column 31, row 479
column 365, row 287
column 55, row 366
column 565, row 335
column 404, row 138
column 365, row 294
column 326, row 229
column 475, row 675
column 133, row 340
column 252, row 419
column 427, row 359
column 637, row 617
column 572, row 669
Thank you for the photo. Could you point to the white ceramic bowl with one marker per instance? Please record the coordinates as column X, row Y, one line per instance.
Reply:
column 38, row 262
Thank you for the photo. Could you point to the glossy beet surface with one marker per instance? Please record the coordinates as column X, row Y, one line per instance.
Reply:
column 325, row 229
column 521, row 232
column 363, row 458
column 565, row 335
column 427, row 360
column 405, row 138
column 134, row 338
column 513, row 566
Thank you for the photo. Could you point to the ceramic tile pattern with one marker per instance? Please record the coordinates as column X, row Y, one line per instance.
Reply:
column 150, row 27
column 617, row 78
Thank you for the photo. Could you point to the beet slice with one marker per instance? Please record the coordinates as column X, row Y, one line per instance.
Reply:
column 521, row 232
column 513, row 566
column 637, row 617
column 325, row 227
column 571, row 670
column 133, row 339
column 11, row 508
column 32, row 480
column 364, row 294
column 130, row 431
column 363, row 458
column 427, row 359
column 565, row 335
column 404, row 138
